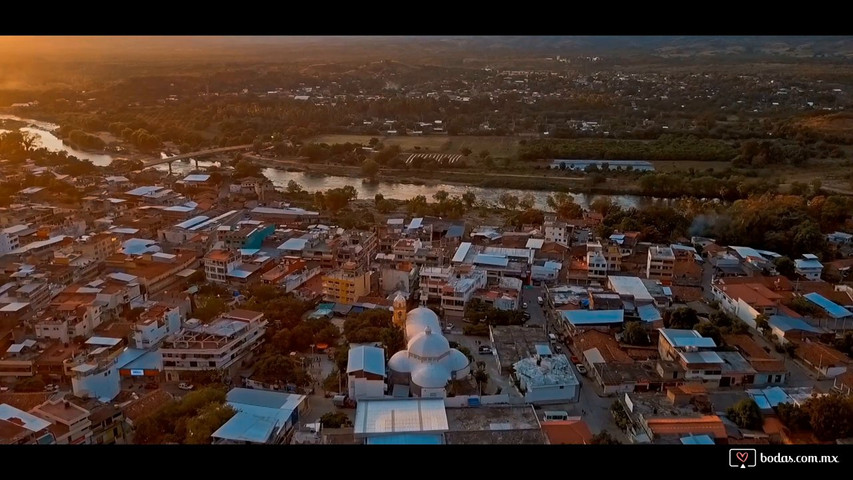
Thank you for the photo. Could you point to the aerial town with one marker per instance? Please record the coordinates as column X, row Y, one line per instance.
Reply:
column 254, row 291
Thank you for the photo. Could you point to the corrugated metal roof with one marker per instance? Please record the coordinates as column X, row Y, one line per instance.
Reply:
column 686, row 338
column 786, row 324
column 461, row 252
column 105, row 341
column 193, row 221
column 367, row 359
column 29, row 421
column 491, row 260
column 593, row 317
column 648, row 313
column 701, row 357
column 416, row 223
column 833, row 309
column 630, row 286
column 535, row 243
column 400, row 416
column 245, row 427
column 294, row 244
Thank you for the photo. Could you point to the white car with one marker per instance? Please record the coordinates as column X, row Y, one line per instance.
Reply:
column 524, row 305
column 185, row 386
column 581, row 368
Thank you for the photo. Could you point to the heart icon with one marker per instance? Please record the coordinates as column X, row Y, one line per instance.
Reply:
column 742, row 456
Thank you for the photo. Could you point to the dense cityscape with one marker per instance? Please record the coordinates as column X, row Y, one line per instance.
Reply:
column 568, row 245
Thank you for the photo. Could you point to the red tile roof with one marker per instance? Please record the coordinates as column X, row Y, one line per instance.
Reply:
column 573, row 431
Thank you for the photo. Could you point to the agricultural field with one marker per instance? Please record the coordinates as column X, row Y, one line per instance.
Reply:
column 496, row 146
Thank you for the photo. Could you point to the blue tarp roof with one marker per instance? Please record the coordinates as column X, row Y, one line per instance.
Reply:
column 648, row 313
column 697, row 440
column 786, row 324
column 593, row 317
column 833, row 309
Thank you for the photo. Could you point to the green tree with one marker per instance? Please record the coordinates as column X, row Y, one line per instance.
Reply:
column 564, row 206
column 711, row 331
column 369, row 169
column 508, row 201
column 635, row 334
column 469, row 198
column 334, row 420
column 276, row 368
column 337, row 198
column 246, row 168
column 682, row 317
column 294, row 187
column 604, row 438
column 209, row 418
column 794, row 417
column 209, row 307
column 440, row 196
column 831, row 416
column 746, row 414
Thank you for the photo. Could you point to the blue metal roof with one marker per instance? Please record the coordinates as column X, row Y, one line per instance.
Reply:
column 245, row 427
column 786, row 324
column 367, row 359
column 455, row 231
column 405, row 439
column 802, row 264
column 686, row 338
column 593, row 317
column 648, row 313
column 128, row 356
column 833, row 309
column 491, row 260
column 148, row 361
column 543, row 350
column 697, row 440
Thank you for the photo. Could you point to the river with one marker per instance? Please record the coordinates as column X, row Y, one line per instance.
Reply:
column 42, row 131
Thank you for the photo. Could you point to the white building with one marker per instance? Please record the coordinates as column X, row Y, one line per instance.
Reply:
column 9, row 238
column 94, row 372
column 401, row 421
column 219, row 345
column 840, row 238
column 693, row 352
column 454, row 286
column 366, row 372
column 547, row 378
column 218, row 264
column 154, row 325
column 558, row 232
column 809, row 266
column 72, row 424
column 660, row 263
column 428, row 364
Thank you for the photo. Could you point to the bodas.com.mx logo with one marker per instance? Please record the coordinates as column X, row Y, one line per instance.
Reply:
column 742, row 457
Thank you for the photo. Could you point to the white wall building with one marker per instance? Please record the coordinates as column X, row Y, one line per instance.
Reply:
column 366, row 372
column 219, row 345
column 547, row 378
column 809, row 266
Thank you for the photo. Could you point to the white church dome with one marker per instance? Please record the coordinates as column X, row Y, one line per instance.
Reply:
column 456, row 361
column 419, row 319
column 429, row 345
column 400, row 362
column 430, row 376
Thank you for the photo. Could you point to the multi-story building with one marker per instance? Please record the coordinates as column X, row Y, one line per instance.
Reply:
column 558, row 232
column 69, row 319
column 358, row 247
column 219, row 263
column 9, row 238
column 94, row 371
column 18, row 427
column 596, row 264
column 399, row 276
column 154, row 325
column 346, row 284
column 809, row 267
column 693, row 352
column 70, row 423
column 96, row 247
column 219, row 345
column 660, row 264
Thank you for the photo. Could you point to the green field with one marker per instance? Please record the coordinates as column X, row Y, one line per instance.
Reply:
column 497, row 146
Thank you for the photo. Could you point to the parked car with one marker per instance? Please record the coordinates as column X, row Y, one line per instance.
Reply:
column 185, row 386
column 581, row 368
column 485, row 349
column 558, row 348
column 524, row 305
